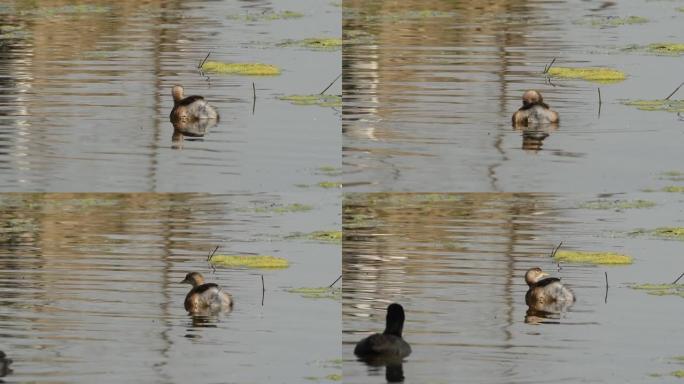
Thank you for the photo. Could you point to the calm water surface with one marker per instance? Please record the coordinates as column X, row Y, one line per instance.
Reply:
column 85, row 96
column 456, row 262
column 429, row 89
column 90, row 292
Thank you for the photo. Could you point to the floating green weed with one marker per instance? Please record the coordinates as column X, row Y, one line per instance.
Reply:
column 266, row 16
column 330, row 184
column 333, row 236
column 660, row 289
column 617, row 204
column 65, row 10
column 321, row 43
column 610, row 258
column 333, row 293
column 674, row 188
column 666, row 48
column 678, row 373
column 320, row 100
column 289, row 208
column 247, row 69
column 262, row 262
column 657, row 105
column 670, row 232
column 615, row 21
column 672, row 175
column 330, row 170
column 597, row 75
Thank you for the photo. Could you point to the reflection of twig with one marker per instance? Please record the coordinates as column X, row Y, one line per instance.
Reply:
column 263, row 290
column 553, row 254
column 546, row 68
column 675, row 91
column 330, row 85
column 336, row 280
column 548, row 80
column 254, row 97
column 680, row 276
column 201, row 64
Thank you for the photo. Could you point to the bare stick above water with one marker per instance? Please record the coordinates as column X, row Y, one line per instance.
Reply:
column 606, row 279
column 211, row 254
column 203, row 61
column 675, row 91
column 605, row 299
column 254, row 97
column 553, row 254
column 680, row 276
column 330, row 85
column 263, row 290
column 599, row 92
column 546, row 68
column 336, row 280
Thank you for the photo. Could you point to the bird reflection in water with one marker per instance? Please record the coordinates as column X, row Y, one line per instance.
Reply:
column 195, row 130
column 546, row 297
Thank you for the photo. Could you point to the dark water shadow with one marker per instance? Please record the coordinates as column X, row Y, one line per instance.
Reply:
column 394, row 367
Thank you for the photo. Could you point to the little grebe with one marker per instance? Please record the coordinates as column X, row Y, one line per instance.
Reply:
column 545, row 291
column 205, row 297
column 190, row 108
column 534, row 111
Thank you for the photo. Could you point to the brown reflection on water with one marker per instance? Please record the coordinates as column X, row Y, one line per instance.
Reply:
column 89, row 287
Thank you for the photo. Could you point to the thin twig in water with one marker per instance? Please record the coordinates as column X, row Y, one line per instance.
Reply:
column 263, row 290
column 211, row 254
column 201, row 64
column 253, row 98
column 680, row 276
column 336, row 280
column 675, row 91
column 330, row 85
column 553, row 254
column 605, row 299
column 546, row 68
column 606, row 279
column 599, row 93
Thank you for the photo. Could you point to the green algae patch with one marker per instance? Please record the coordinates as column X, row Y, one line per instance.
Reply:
column 670, row 232
column 280, row 209
column 678, row 373
column 603, row 258
column 245, row 69
column 660, row 289
column 617, row 204
column 666, row 48
column 324, row 236
column 673, row 189
column 66, row 10
column 332, row 236
column 672, row 176
column 329, row 170
column 320, row 100
column 330, row 184
column 317, row 43
column 334, row 377
column 597, row 75
column 333, row 293
column 657, row 105
column 266, row 16
column 261, row 262
column 615, row 21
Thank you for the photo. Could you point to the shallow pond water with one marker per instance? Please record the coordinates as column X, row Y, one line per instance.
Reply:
column 456, row 263
column 85, row 95
column 91, row 293
column 429, row 89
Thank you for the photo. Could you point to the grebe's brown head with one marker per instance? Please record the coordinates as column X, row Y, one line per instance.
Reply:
column 529, row 98
column 193, row 278
column 533, row 275
column 177, row 93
